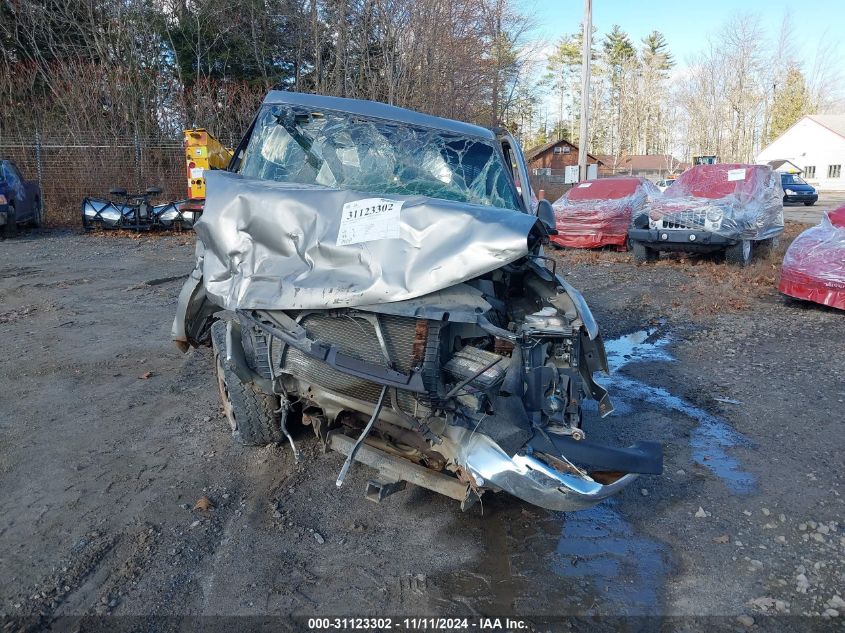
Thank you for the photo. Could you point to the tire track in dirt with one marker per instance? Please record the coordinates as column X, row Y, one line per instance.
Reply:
column 37, row 606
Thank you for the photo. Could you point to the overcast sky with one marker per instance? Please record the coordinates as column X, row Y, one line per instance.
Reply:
column 686, row 24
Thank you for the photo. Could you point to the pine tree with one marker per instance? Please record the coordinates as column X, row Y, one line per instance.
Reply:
column 791, row 102
column 618, row 55
column 564, row 66
column 618, row 47
column 656, row 63
column 656, row 51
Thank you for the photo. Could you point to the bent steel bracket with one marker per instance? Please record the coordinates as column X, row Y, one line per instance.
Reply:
column 296, row 336
column 591, row 358
column 349, row 458
column 394, row 468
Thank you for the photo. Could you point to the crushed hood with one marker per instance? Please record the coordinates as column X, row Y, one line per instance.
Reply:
column 276, row 245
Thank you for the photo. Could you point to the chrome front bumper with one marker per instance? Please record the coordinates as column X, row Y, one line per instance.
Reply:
column 530, row 479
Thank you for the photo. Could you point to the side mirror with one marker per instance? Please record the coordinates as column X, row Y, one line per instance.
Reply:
column 153, row 191
column 546, row 215
column 117, row 191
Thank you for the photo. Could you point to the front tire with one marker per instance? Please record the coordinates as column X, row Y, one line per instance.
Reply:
column 37, row 214
column 251, row 413
column 765, row 248
column 739, row 254
column 11, row 228
column 643, row 254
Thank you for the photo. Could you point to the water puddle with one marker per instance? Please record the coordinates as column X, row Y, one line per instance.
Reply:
column 709, row 440
column 626, row 571
column 591, row 562
column 586, row 563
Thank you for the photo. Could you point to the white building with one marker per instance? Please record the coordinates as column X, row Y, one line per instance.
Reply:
column 816, row 143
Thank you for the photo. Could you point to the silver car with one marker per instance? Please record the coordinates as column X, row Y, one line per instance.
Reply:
column 378, row 275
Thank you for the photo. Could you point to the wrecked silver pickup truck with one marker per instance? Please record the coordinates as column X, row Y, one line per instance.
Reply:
column 378, row 274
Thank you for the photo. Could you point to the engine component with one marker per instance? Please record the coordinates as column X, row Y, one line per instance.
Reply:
column 480, row 367
column 547, row 322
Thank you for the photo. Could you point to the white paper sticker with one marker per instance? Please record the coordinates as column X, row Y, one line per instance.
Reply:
column 369, row 220
column 197, row 172
column 736, row 174
column 584, row 184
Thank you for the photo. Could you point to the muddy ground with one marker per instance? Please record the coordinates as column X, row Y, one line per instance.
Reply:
column 109, row 436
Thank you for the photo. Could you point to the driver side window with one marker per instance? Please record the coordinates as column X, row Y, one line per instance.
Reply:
column 14, row 180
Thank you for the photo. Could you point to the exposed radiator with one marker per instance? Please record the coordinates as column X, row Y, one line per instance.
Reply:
column 355, row 335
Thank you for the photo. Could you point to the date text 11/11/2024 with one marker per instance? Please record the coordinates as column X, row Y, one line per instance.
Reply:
column 417, row 624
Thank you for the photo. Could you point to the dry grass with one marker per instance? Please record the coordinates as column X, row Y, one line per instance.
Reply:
column 701, row 284
column 186, row 237
column 579, row 257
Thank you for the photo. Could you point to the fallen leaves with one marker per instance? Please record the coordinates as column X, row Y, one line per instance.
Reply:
column 204, row 503
column 702, row 285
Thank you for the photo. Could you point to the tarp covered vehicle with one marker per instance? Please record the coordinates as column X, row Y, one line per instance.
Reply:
column 814, row 265
column 721, row 207
column 598, row 212
column 376, row 273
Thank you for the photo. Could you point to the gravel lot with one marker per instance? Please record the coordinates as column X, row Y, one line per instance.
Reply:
column 109, row 436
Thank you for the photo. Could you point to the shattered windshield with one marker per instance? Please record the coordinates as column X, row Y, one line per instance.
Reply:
column 347, row 151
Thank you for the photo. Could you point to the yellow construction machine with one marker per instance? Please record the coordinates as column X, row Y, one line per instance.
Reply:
column 202, row 151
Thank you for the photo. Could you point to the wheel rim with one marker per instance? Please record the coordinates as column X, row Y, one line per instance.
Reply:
column 224, row 393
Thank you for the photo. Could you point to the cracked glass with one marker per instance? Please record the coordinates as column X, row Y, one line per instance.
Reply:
column 348, row 151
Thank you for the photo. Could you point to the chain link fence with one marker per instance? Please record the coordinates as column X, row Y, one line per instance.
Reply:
column 69, row 169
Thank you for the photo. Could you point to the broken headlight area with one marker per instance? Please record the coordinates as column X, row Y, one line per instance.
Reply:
column 492, row 399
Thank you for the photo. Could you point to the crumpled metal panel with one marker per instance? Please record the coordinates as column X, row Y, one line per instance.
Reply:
column 274, row 245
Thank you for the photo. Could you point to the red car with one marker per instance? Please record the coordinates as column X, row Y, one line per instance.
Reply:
column 598, row 212
column 727, row 207
column 814, row 265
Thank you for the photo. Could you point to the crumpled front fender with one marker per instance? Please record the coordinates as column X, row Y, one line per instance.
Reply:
column 194, row 310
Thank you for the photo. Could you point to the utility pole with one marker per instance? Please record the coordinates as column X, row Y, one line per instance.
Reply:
column 585, row 88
